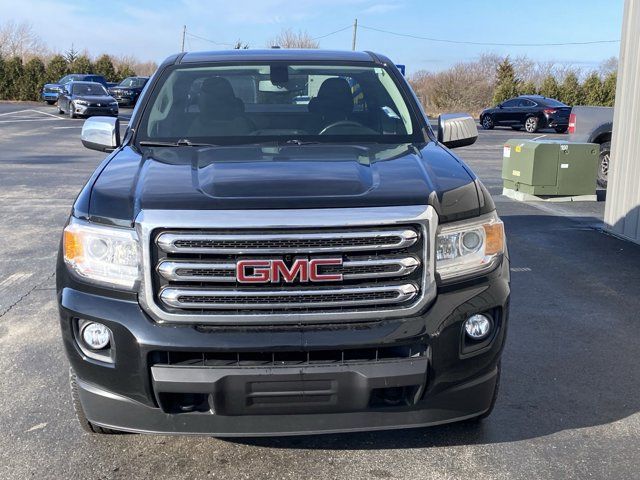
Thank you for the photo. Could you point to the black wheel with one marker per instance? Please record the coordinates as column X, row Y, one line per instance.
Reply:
column 487, row 122
column 85, row 424
column 72, row 113
column 561, row 129
column 60, row 111
column 50, row 102
column 531, row 124
column 603, row 167
column 518, row 127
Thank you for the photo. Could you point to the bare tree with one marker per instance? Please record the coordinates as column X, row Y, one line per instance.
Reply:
column 145, row 69
column 19, row 40
column 288, row 38
column 609, row 65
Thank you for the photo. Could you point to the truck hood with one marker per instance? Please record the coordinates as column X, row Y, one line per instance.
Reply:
column 296, row 176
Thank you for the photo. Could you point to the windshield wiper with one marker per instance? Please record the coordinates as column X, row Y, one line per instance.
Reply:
column 295, row 141
column 183, row 142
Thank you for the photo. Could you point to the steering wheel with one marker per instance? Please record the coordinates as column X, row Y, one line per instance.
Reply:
column 341, row 123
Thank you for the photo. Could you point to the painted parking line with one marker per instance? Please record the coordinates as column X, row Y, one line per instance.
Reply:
column 27, row 115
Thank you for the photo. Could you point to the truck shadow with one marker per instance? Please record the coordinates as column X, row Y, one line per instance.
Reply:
column 571, row 356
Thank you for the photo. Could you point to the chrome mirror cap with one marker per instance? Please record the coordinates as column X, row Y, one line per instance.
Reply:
column 101, row 133
column 457, row 130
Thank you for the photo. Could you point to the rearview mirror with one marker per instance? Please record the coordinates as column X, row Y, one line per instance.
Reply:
column 457, row 130
column 101, row 133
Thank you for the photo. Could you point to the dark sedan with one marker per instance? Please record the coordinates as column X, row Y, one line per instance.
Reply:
column 532, row 112
column 86, row 99
column 127, row 92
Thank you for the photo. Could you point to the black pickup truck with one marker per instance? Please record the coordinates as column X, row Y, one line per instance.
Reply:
column 243, row 263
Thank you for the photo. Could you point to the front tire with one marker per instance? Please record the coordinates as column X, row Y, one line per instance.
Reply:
column 603, row 164
column 531, row 124
column 85, row 424
column 72, row 108
column 50, row 102
column 487, row 122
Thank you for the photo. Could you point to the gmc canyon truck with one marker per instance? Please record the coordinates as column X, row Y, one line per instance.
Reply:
column 243, row 264
column 594, row 125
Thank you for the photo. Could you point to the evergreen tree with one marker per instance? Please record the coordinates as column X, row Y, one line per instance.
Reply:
column 14, row 72
column 527, row 88
column 609, row 89
column 506, row 82
column 104, row 66
column 593, row 90
column 82, row 64
column 56, row 69
column 549, row 87
column 571, row 92
column 33, row 79
column 3, row 80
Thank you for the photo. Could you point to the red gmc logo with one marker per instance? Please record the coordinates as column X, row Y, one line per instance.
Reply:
column 274, row 271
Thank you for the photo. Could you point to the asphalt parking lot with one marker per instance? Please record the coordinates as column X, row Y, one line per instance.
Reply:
column 569, row 403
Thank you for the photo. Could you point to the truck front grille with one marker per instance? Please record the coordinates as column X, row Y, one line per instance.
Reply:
column 377, row 270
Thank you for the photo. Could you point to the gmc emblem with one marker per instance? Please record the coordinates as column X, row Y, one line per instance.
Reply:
column 273, row 271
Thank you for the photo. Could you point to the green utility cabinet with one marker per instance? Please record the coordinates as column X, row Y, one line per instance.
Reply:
column 550, row 167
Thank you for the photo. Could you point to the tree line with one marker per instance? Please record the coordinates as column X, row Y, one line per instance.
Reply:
column 24, row 80
column 472, row 86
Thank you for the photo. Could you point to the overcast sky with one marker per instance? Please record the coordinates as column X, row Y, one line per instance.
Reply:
column 151, row 29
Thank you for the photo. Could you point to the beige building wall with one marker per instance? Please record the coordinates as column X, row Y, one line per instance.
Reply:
column 622, row 209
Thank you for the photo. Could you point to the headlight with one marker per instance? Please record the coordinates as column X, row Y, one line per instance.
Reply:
column 81, row 102
column 113, row 104
column 102, row 255
column 469, row 247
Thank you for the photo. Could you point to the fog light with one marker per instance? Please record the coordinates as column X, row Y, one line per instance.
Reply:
column 96, row 336
column 477, row 326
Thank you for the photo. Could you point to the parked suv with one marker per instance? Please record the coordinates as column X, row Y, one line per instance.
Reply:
column 51, row 91
column 532, row 112
column 127, row 92
column 244, row 264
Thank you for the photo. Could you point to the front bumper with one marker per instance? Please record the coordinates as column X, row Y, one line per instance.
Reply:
column 136, row 393
column 49, row 96
column 88, row 111
column 125, row 101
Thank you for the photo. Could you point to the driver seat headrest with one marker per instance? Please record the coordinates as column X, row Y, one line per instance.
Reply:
column 334, row 99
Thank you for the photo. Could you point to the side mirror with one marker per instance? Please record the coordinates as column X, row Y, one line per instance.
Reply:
column 457, row 130
column 101, row 133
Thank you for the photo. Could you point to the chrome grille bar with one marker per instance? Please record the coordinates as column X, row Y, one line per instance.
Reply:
column 339, row 241
column 376, row 267
column 191, row 298
column 341, row 229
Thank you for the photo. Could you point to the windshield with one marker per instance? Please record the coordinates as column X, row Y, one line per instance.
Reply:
column 279, row 102
column 133, row 82
column 88, row 89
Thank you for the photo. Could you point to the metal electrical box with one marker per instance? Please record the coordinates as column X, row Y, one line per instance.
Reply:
column 550, row 167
